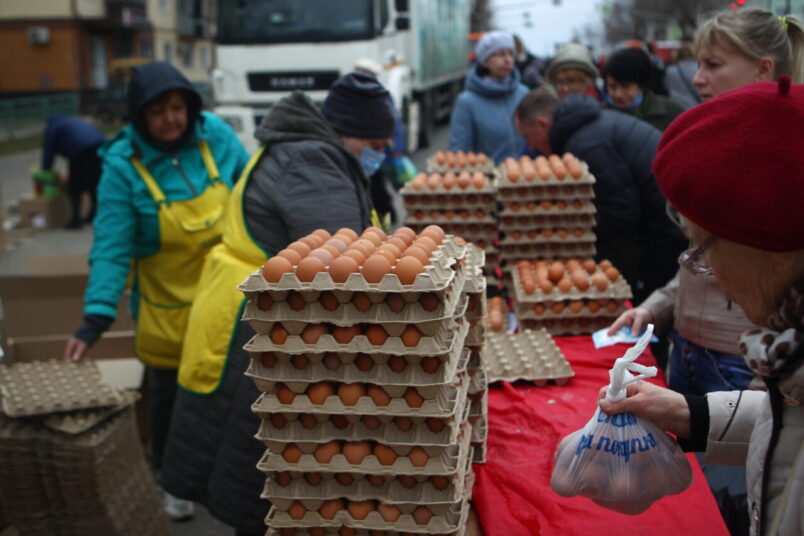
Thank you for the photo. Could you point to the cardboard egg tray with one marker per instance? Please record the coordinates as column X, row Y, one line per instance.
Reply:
column 79, row 421
column 528, row 222
column 554, row 238
column 477, row 307
column 455, row 197
column 479, row 452
column 551, row 250
column 509, row 209
column 525, row 191
column 477, row 333
column 480, row 430
column 440, row 401
column 528, row 355
column 438, row 217
column 335, row 531
column 569, row 326
column 443, row 460
column 544, row 311
column 434, row 167
column 478, row 381
column 479, row 406
column 616, row 290
column 42, row 387
column 487, row 232
column 504, row 182
column 391, row 491
column 447, row 517
column 477, row 358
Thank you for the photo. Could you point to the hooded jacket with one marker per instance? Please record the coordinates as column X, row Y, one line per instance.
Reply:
column 657, row 110
column 482, row 120
column 68, row 137
column 306, row 180
column 633, row 229
column 126, row 224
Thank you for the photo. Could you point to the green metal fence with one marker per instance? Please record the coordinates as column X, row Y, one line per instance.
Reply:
column 26, row 117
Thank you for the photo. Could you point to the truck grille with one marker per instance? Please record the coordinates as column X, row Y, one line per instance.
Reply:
column 290, row 80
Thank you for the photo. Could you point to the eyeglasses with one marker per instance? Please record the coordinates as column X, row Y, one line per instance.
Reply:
column 693, row 260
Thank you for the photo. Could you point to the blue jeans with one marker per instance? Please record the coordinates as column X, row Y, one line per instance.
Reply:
column 695, row 370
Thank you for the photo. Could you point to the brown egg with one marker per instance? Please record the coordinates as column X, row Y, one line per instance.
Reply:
column 413, row 398
column 403, row 423
column 364, row 362
column 556, row 271
column 612, row 273
column 407, row 481
column 344, row 479
column 264, row 301
column 464, row 180
column 274, row 268
column 295, row 300
column 314, row 479
column 283, row 394
column 378, row 395
column 557, row 307
column 479, row 180
column 308, row 268
column 268, row 359
column 406, row 232
column 319, row 392
column 355, row 451
column 339, row 421
column 439, row 482
column 323, row 233
column 299, row 361
column 430, row 364
column 576, row 306
column 360, row 509
column 590, row 266
column 311, row 241
column 435, row 424
column 528, row 286
column 375, row 480
column 418, row 457
column 365, row 246
column 605, row 263
column 546, row 286
column 389, row 512
column 397, row 363
column 343, row 531
column 429, row 301
column 346, row 239
column 408, row 268
column 308, row 420
column 580, row 280
column 328, row 301
column 375, row 268
column 326, row 451
column 296, row 510
column 419, row 252
column 355, row 254
column 313, row 332
column 449, row 180
column 593, row 306
column 282, row 478
column 348, row 232
column 291, row 453
column 411, row 336
column 371, row 422
column 600, row 281
column 345, row 334
column 325, row 256
column 330, row 508
column 376, row 334
column 361, row 302
column 278, row 420
column 290, row 254
column 426, row 243
column 300, row 247
column 342, row 267
column 612, row 306
column 385, row 454
column 496, row 321
column 433, row 181
column 377, row 231
column 350, row 393
column 422, row 515
column 565, row 285
column 373, row 238
column 339, row 245
column 395, row 303
column 389, row 255
column 434, row 235
column 332, row 361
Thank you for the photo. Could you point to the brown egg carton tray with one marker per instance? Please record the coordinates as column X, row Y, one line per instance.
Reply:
column 478, row 405
column 478, row 381
column 477, row 307
column 536, row 191
column 527, row 310
column 433, row 167
column 479, row 452
column 439, row 401
column 42, row 387
column 476, row 281
column 587, row 207
column 529, row 222
column 566, row 326
column 528, row 355
column 450, row 303
column 335, row 531
column 546, row 251
column 79, row 421
column 504, row 182
column 616, row 290
column 477, row 333
column 470, row 198
column 443, row 460
column 447, row 518
column 464, row 230
column 480, row 430
column 437, row 275
column 540, row 238
column 439, row 218
column 391, row 491
column 477, row 358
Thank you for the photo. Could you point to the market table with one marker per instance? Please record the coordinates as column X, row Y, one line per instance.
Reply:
column 512, row 494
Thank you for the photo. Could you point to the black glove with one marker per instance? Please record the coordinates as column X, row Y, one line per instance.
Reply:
column 92, row 328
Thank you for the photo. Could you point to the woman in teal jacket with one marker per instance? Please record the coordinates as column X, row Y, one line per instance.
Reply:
column 166, row 178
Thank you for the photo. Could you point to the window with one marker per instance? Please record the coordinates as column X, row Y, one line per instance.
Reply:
column 164, row 6
column 186, row 54
column 167, row 50
column 203, row 52
column 384, row 15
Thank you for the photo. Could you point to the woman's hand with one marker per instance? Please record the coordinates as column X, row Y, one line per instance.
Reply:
column 75, row 350
column 663, row 407
column 638, row 318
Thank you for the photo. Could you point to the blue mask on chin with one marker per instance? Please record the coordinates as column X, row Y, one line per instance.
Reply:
column 371, row 160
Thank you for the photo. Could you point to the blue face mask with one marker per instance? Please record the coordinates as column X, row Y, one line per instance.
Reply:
column 371, row 160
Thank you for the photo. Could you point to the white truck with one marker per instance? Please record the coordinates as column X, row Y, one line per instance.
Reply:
column 268, row 48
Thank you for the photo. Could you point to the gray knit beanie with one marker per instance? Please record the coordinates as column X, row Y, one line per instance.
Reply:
column 491, row 43
column 572, row 56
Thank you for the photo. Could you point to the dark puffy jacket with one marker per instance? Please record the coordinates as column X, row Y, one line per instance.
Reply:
column 307, row 179
column 633, row 228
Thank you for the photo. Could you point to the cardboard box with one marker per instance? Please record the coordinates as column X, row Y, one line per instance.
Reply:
column 43, row 213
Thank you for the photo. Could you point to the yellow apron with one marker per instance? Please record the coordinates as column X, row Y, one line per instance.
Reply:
column 167, row 280
column 218, row 306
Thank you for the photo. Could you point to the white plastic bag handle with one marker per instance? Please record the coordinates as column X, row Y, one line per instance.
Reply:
column 619, row 376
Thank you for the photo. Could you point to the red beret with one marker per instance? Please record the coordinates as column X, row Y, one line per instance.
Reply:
column 734, row 165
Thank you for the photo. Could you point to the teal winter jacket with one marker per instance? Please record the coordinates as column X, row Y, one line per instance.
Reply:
column 126, row 224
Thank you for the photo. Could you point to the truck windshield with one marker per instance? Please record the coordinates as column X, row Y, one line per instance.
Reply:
column 293, row 21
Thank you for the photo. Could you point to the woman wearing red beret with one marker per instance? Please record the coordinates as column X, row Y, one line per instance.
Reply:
column 742, row 199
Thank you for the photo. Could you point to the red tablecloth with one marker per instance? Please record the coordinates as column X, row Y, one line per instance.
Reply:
column 512, row 495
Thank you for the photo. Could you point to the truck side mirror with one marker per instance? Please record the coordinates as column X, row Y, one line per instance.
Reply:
column 402, row 22
column 401, row 6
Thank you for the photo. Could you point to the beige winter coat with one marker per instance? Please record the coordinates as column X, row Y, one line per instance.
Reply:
column 741, row 423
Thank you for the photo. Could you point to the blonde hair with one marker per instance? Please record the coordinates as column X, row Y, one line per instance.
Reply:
column 758, row 34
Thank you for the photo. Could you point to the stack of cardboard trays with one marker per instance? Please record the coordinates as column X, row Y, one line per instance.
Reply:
column 70, row 457
column 367, row 432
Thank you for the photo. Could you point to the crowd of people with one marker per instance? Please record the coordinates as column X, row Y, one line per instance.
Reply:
column 696, row 165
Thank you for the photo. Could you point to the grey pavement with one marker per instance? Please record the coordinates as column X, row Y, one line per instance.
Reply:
column 15, row 182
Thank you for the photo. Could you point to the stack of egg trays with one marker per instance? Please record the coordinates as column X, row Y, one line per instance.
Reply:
column 477, row 311
column 566, row 322
column 533, row 211
column 433, row 166
column 529, row 355
column 445, row 393
column 469, row 213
